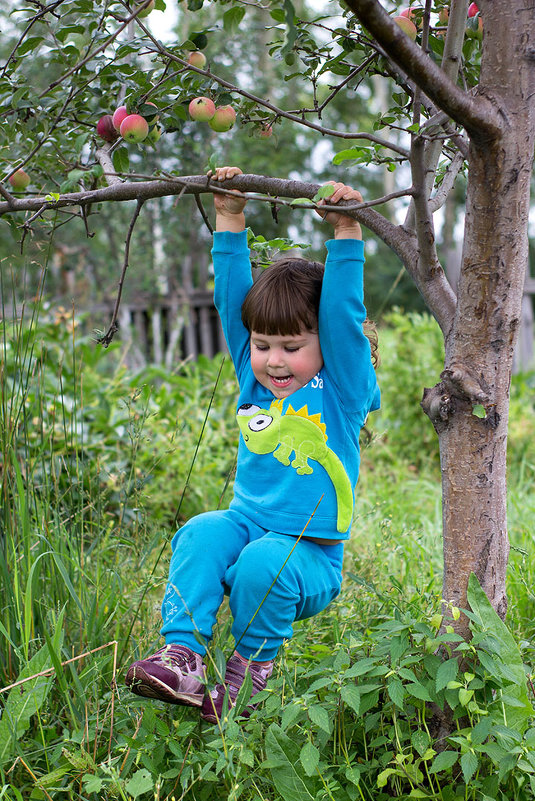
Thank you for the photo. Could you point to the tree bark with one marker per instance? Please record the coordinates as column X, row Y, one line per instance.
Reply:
column 480, row 346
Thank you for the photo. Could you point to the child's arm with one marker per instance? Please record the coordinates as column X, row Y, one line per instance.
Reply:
column 345, row 348
column 229, row 208
column 344, row 227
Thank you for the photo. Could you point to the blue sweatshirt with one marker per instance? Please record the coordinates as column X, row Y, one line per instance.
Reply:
column 298, row 457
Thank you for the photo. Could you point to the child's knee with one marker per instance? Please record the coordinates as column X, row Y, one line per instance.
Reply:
column 259, row 564
column 201, row 532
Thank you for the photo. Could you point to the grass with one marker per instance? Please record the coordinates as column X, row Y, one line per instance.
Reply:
column 97, row 465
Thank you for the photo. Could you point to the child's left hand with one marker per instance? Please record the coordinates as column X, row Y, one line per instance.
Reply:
column 341, row 222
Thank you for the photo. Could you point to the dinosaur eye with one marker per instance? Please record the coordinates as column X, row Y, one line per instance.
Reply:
column 248, row 409
column 260, row 422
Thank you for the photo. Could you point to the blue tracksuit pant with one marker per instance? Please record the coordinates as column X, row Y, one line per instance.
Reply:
column 224, row 551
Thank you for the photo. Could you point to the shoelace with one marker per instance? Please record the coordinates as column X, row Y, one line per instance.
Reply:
column 176, row 655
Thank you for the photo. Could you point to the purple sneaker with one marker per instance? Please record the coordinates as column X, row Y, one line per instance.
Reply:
column 234, row 677
column 172, row 674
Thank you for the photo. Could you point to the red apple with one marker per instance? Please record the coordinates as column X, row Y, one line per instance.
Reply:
column 407, row 26
column 118, row 117
column 223, row 119
column 197, row 59
column 146, row 11
column 134, row 128
column 201, row 109
column 106, row 129
column 266, row 131
column 19, row 180
column 473, row 10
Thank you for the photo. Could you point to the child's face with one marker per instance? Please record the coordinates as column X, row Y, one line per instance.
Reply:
column 284, row 364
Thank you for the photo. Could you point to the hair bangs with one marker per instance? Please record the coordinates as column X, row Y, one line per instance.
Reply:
column 285, row 298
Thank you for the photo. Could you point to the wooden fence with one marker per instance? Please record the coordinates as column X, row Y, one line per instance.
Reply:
column 165, row 331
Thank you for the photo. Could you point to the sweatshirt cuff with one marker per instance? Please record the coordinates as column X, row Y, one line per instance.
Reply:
column 230, row 242
column 345, row 249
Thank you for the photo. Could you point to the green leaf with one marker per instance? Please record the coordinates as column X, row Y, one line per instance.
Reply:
column 141, row 782
column 325, row 191
column 310, row 757
column 288, row 775
column 479, row 411
column 92, row 784
column 24, row 701
column 396, row 692
column 121, row 160
column 319, row 716
column 420, row 741
column 418, row 690
column 443, row 761
column 351, row 696
column 232, row 18
column 353, row 775
column 300, row 201
column 446, row 672
column 508, row 652
column 469, row 765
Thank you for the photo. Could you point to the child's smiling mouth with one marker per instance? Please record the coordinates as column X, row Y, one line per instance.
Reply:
column 281, row 381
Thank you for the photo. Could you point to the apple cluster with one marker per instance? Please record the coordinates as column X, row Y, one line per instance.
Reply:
column 220, row 118
column 132, row 127
column 410, row 19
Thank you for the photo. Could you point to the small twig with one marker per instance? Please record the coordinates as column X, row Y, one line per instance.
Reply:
column 202, row 210
column 448, row 182
column 52, row 669
column 113, row 327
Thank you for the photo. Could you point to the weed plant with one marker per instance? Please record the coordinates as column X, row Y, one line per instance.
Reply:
column 368, row 701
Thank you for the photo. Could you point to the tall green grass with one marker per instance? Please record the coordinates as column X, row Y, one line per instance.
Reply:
column 99, row 465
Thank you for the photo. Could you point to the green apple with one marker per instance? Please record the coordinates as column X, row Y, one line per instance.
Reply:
column 197, row 59
column 19, row 180
column 134, row 128
column 407, row 25
column 201, row 109
column 223, row 119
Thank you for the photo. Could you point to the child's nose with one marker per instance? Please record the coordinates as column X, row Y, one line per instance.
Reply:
column 275, row 357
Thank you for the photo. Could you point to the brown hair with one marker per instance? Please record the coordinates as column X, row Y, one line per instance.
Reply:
column 285, row 300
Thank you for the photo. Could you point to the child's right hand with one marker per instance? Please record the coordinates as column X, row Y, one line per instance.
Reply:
column 227, row 205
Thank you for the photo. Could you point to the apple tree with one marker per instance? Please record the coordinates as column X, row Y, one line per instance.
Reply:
column 457, row 108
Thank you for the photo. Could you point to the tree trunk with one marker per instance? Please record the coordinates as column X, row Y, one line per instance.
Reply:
column 480, row 345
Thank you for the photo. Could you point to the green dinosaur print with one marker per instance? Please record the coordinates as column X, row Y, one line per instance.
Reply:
column 271, row 431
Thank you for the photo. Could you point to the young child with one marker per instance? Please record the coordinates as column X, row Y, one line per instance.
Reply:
column 307, row 383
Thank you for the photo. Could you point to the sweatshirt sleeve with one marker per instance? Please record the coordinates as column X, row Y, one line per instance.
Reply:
column 345, row 348
column 233, row 279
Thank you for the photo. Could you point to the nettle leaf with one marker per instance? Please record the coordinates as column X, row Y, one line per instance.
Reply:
column 310, row 757
column 287, row 772
column 319, row 716
column 121, row 160
column 351, row 696
column 446, row 672
column 141, row 782
column 469, row 765
column 507, row 651
column 444, row 761
column 396, row 692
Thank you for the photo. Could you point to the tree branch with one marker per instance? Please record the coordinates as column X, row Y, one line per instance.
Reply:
column 477, row 114
column 275, row 109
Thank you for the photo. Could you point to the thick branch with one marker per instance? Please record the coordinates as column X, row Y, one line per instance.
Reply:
column 476, row 114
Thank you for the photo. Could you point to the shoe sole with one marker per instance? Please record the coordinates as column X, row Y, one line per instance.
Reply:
column 147, row 686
